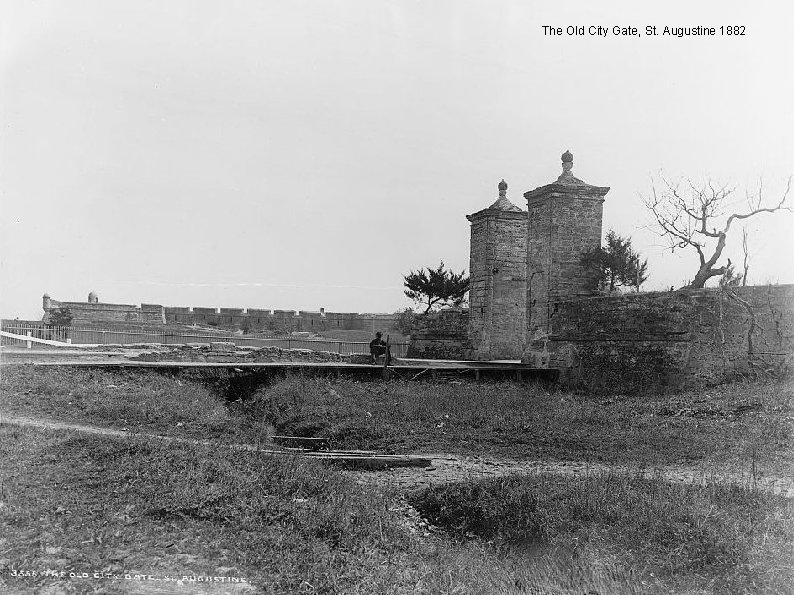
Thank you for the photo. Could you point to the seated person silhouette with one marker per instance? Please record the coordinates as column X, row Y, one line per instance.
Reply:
column 377, row 347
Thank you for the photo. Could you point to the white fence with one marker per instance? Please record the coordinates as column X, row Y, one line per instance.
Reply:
column 90, row 336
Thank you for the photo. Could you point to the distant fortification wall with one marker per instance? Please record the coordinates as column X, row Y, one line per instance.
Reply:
column 669, row 339
column 93, row 313
column 88, row 313
column 279, row 320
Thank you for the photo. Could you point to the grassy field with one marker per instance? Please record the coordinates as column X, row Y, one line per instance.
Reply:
column 117, row 399
column 723, row 539
column 79, row 503
column 87, row 504
column 740, row 424
column 745, row 426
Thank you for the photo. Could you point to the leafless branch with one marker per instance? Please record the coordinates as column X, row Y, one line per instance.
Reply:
column 691, row 219
column 781, row 206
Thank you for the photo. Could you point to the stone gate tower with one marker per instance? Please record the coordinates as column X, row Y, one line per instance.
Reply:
column 564, row 220
column 498, row 266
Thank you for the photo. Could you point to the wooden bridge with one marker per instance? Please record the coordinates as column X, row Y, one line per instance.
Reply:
column 408, row 369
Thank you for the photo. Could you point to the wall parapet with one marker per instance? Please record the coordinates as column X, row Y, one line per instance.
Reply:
column 669, row 339
column 97, row 313
column 441, row 335
column 87, row 312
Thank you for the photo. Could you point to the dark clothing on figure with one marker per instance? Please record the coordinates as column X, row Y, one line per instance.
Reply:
column 377, row 347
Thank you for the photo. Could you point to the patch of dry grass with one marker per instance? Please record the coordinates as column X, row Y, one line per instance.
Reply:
column 722, row 539
column 88, row 504
column 747, row 426
column 85, row 504
column 740, row 425
column 134, row 399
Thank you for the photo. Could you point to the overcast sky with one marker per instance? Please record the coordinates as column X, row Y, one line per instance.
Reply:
column 306, row 154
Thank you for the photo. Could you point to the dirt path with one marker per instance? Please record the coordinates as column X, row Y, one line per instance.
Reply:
column 447, row 468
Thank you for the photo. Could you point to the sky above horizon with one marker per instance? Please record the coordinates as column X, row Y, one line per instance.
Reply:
column 307, row 154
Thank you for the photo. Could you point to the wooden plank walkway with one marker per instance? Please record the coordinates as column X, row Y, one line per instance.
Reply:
column 412, row 370
column 409, row 369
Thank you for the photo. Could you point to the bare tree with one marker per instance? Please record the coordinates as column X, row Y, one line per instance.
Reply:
column 698, row 218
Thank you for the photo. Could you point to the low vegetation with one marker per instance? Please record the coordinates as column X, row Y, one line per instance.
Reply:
column 81, row 503
column 127, row 507
column 729, row 539
column 120, row 399
column 87, row 504
column 739, row 425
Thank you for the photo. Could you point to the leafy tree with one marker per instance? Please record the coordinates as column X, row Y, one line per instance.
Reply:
column 436, row 287
column 699, row 217
column 616, row 264
column 61, row 316
column 731, row 278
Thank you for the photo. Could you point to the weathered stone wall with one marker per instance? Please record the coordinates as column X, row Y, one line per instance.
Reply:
column 280, row 320
column 669, row 339
column 441, row 335
column 95, row 313
column 497, row 294
column 88, row 313
column 563, row 222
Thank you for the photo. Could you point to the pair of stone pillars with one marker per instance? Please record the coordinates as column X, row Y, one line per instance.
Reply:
column 522, row 262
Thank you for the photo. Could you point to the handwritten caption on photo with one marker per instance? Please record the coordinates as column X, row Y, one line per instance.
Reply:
column 125, row 576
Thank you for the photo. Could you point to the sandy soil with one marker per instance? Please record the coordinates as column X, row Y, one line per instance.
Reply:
column 449, row 468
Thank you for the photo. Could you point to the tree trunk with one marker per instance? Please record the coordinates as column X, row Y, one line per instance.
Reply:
column 700, row 279
column 705, row 272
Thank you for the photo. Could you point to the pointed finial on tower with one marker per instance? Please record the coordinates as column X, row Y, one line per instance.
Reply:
column 567, row 162
column 503, row 188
